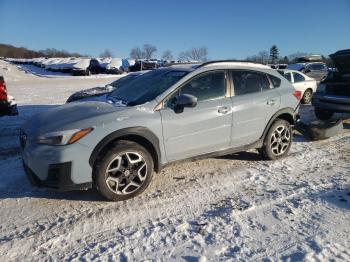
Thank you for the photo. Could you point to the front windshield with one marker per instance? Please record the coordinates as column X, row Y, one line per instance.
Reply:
column 147, row 87
column 123, row 80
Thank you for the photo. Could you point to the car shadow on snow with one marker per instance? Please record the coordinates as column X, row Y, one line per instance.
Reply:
column 339, row 197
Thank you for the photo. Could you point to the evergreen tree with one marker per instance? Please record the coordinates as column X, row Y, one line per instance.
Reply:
column 273, row 54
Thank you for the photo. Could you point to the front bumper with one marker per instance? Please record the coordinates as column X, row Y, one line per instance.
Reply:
column 59, row 167
column 79, row 72
column 339, row 104
column 59, row 177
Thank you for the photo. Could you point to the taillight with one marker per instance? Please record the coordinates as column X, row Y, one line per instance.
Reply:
column 297, row 94
column 3, row 92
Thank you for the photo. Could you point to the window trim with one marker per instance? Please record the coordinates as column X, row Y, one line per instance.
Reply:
column 228, row 92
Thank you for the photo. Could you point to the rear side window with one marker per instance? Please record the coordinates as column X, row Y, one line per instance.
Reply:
column 247, row 82
column 206, row 86
column 288, row 76
column 298, row 78
column 276, row 82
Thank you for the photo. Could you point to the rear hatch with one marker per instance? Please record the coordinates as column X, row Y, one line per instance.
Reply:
column 339, row 83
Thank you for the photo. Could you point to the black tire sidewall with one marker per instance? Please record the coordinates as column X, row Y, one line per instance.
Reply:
column 266, row 149
column 100, row 170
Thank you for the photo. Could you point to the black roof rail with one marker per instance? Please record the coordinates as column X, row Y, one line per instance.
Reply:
column 228, row 60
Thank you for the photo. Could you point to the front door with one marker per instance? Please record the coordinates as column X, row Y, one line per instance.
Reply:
column 204, row 128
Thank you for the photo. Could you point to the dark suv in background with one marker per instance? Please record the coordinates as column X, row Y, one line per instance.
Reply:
column 333, row 94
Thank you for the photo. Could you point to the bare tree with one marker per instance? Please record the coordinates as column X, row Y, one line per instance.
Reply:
column 106, row 53
column 167, row 55
column 149, row 51
column 136, row 53
column 263, row 57
column 195, row 53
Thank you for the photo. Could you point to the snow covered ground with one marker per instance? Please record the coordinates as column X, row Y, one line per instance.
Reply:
column 236, row 207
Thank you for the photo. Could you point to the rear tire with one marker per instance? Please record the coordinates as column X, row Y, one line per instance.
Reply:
column 124, row 172
column 307, row 96
column 323, row 114
column 278, row 140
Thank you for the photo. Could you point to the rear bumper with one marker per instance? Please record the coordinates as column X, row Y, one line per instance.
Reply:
column 332, row 103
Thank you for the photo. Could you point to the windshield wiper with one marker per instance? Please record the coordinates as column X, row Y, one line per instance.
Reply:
column 117, row 101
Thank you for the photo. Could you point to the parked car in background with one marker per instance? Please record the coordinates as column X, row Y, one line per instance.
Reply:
column 86, row 66
column 117, row 66
column 311, row 66
column 85, row 95
column 8, row 105
column 103, row 63
column 305, row 84
column 166, row 115
column 333, row 94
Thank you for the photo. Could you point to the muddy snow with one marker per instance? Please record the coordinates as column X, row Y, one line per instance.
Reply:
column 236, row 207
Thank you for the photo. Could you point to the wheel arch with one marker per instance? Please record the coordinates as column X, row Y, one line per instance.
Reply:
column 141, row 135
column 287, row 114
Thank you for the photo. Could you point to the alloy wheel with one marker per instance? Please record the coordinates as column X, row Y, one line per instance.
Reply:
column 126, row 173
column 280, row 140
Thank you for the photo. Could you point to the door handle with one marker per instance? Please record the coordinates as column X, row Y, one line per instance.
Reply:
column 223, row 110
column 271, row 102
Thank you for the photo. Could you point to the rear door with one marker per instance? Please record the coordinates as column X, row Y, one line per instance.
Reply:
column 254, row 102
column 203, row 129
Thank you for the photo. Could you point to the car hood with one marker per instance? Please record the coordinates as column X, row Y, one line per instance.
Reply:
column 71, row 116
column 96, row 91
column 341, row 60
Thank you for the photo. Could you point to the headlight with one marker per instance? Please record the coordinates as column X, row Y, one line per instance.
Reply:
column 62, row 138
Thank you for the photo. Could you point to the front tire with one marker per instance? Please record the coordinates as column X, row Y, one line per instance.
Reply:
column 323, row 114
column 278, row 140
column 124, row 172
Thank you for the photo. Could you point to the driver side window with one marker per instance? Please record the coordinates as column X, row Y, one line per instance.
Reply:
column 206, row 86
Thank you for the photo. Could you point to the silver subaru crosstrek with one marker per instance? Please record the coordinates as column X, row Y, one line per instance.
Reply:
column 115, row 143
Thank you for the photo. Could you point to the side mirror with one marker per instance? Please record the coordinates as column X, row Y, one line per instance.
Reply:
column 307, row 71
column 183, row 101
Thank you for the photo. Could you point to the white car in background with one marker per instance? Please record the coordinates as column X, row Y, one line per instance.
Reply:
column 301, row 82
column 117, row 66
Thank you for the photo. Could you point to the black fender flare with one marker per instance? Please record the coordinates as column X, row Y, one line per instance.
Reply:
column 290, row 112
column 132, row 132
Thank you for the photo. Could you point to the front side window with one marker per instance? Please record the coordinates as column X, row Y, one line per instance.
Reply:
column 247, row 82
column 206, row 86
column 298, row 78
